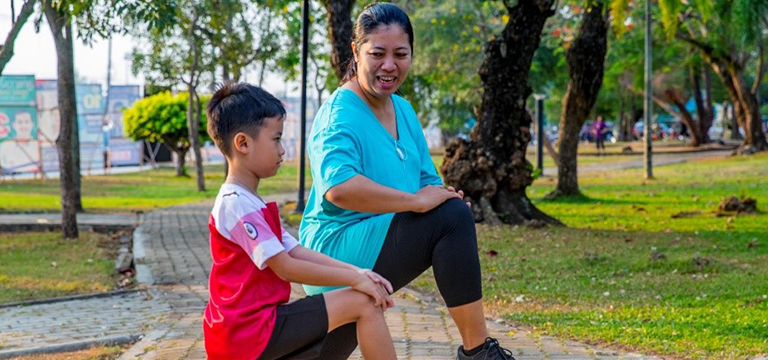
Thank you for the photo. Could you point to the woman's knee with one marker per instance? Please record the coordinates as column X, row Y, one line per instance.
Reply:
column 455, row 212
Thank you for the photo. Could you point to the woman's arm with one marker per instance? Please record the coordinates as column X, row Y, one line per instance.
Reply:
column 364, row 195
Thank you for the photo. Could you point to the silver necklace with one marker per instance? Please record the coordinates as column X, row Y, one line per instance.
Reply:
column 243, row 185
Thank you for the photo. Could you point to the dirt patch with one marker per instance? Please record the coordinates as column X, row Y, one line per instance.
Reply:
column 733, row 204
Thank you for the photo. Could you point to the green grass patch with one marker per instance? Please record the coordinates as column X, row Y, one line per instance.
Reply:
column 143, row 190
column 627, row 273
column 42, row 265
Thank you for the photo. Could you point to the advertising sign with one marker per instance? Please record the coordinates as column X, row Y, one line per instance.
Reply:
column 47, row 94
column 90, row 128
column 120, row 98
column 91, row 157
column 124, row 152
column 19, row 148
column 17, row 90
column 89, row 99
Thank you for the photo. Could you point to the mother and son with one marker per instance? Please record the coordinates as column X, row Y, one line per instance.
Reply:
column 377, row 217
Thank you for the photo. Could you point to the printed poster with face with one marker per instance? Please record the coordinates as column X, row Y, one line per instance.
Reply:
column 19, row 148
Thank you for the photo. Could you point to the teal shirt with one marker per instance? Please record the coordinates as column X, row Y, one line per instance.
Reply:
column 347, row 140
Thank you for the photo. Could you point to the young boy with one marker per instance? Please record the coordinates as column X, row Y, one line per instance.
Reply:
column 254, row 259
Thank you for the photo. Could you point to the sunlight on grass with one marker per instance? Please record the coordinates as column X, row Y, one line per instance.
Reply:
column 144, row 190
column 42, row 265
column 626, row 273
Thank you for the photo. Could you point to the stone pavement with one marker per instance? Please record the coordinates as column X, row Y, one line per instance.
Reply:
column 70, row 325
column 171, row 249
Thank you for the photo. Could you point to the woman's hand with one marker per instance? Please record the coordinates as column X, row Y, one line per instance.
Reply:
column 378, row 279
column 379, row 294
column 461, row 195
column 430, row 197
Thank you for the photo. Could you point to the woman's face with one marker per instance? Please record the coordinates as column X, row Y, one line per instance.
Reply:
column 383, row 61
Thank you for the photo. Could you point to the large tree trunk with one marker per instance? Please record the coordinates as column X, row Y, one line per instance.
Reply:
column 340, row 33
column 193, row 106
column 586, row 60
column 704, row 109
column 734, row 124
column 193, row 122
column 6, row 50
column 62, row 37
column 491, row 168
column 181, row 154
column 675, row 97
column 746, row 105
column 754, row 137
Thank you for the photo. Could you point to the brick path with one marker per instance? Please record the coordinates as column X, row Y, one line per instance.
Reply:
column 175, row 242
column 67, row 322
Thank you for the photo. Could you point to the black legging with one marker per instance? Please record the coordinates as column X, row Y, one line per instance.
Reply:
column 443, row 238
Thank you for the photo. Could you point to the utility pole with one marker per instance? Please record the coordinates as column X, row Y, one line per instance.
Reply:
column 540, row 131
column 302, row 140
column 105, row 124
column 647, row 103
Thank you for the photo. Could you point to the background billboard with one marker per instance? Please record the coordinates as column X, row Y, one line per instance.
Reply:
column 19, row 148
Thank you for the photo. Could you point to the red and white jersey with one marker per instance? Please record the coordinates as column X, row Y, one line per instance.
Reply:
column 244, row 292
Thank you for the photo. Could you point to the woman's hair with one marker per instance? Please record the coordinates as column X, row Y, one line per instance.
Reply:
column 373, row 16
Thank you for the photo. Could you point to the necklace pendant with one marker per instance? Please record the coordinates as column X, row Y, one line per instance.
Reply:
column 400, row 153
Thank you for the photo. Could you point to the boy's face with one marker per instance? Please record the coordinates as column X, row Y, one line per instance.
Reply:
column 265, row 152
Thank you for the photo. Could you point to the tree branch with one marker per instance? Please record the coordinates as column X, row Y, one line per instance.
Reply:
column 6, row 52
column 706, row 48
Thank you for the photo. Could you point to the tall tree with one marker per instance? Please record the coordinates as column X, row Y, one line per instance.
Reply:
column 178, row 56
column 6, row 50
column 729, row 36
column 491, row 168
column 340, row 24
column 192, row 81
column 67, row 143
column 586, row 61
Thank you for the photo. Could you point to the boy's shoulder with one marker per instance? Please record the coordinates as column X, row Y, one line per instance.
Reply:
column 232, row 204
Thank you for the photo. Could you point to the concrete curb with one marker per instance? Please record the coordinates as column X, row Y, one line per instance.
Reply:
column 102, row 229
column 143, row 271
column 70, row 298
column 71, row 346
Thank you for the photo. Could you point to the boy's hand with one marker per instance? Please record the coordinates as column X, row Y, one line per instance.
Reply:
column 378, row 279
column 379, row 294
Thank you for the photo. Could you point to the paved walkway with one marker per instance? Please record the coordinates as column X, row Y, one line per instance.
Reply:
column 637, row 162
column 69, row 325
column 175, row 251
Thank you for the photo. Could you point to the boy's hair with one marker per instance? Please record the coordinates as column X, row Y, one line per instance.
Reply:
column 239, row 107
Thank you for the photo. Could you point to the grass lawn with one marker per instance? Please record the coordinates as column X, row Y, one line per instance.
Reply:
column 42, row 265
column 628, row 274
column 144, row 190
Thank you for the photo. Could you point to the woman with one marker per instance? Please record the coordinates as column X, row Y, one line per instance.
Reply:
column 376, row 199
column 599, row 130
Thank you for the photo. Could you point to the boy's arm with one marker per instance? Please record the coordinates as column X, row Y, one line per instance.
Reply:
column 302, row 253
column 305, row 272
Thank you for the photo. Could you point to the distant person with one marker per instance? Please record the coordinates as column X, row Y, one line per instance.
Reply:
column 21, row 153
column 248, row 315
column 600, row 130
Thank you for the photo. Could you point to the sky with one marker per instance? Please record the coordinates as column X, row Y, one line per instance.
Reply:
column 35, row 54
